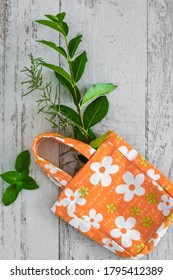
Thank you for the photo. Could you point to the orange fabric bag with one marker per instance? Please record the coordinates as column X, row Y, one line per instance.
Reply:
column 118, row 199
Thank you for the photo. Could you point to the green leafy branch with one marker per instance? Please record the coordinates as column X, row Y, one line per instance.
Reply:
column 90, row 109
column 18, row 179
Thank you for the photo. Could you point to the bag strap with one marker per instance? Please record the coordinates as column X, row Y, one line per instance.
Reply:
column 57, row 175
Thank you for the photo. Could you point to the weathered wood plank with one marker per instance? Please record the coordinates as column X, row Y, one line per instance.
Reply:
column 40, row 231
column 115, row 37
column 116, row 42
column 159, row 102
column 2, row 113
column 27, row 225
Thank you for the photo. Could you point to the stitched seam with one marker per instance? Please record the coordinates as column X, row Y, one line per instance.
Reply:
column 151, row 237
column 76, row 216
column 144, row 172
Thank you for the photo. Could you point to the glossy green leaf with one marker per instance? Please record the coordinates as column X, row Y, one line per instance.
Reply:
column 98, row 141
column 95, row 111
column 78, row 66
column 10, row 177
column 54, row 46
column 24, row 174
column 59, row 71
column 73, row 45
column 58, row 18
column 22, row 161
column 53, row 25
column 29, row 184
column 65, row 28
column 53, row 18
column 97, row 90
column 80, row 136
column 70, row 114
column 10, row 195
column 91, row 135
column 69, row 87
column 61, row 16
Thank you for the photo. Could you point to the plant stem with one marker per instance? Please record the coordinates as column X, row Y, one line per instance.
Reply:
column 74, row 87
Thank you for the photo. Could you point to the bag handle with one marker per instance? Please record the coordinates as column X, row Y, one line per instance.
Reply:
column 57, row 175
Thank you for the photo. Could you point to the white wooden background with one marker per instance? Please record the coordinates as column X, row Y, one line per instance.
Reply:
column 130, row 43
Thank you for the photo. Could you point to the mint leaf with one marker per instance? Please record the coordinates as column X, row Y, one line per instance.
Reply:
column 10, row 195
column 30, row 184
column 22, row 161
column 10, row 177
column 24, row 174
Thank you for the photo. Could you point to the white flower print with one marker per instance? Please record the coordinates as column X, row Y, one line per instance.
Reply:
column 111, row 245
column 58, row 183
column 72, row 199
column 103, row 171
column 153, row 176
column 92, row 151
column 57, row 203
column 137, row 257
column 132, row 186
column 51, row 168
column 93, row 219
column 160, row 188
column 80, row 224
column 166, row 205
column 130, row 155
column 63, row 183
column 158, row 234
column 125, row 231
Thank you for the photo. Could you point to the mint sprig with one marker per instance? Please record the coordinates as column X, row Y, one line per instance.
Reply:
column 18, row 179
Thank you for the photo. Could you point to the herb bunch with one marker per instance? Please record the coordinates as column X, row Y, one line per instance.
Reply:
column 18, row 179
column 91, row 108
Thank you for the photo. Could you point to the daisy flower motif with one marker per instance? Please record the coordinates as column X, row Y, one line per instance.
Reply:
column 166, row 205
column 57, row 182
column 111, row 245
column 92, row 151
column 125, row 231
column 56, row 204
column 51, row 168
column 132, row 186
column 158, row 234
column 80, row 224
column 93, row 219
column 153, row 176
column 130, row 155
column 103, row 171
column 72, row 199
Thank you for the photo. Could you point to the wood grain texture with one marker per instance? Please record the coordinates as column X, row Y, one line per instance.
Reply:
column 118, row 58
column 129, row 43
column 159, row 101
